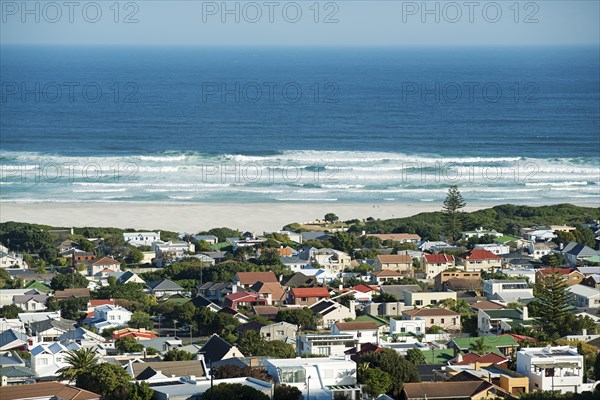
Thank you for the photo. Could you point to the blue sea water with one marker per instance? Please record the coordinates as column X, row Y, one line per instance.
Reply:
column 201, row 124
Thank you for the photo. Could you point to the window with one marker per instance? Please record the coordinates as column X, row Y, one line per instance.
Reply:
column 433, row 302
column 442, row 320
column 304, row 299
column 42, row 361
column 549, row 372
column 402, row 330
column 418, row 302
column 293, row 376
column 431, row 321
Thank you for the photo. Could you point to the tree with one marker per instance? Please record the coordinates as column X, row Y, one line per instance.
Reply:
column 252, row 344
column 10, row 311
column 452, row 205
column 303, row 317
column 331, row 217
column 399, row 369
column 68, row 281
column 178, row 355
column 135, row 255
column 233, row 391
column 79, row 361
column 554, row 260
column 233, row 371
column 597, row 367
column 140, row 391
column 479, row 346
column 376, row 382
column 140, row 319
column 286, row 392
column 383, row 297
column 110, row 380
column 551, row 304
column 128, row 344
column 415, row 356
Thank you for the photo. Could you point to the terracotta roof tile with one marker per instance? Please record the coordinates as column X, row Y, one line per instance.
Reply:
column 310, row 292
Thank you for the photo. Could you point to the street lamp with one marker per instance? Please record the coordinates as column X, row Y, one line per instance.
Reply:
column 159, row 318
column 308, row 389
column 175, row 326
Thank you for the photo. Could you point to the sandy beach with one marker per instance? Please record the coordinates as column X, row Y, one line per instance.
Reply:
column 192, row 218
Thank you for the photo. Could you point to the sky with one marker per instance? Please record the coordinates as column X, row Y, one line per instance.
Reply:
column 301, row 23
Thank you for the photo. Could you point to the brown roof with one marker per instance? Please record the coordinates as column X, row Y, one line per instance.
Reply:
column 106, row 261
column 396, row 237
column 487, row 305
column 277, row 292
column 395, row 259
column 429, row 312
column 356, row 326
column 445, row 390
column 75, row 292
column 387, row 272
column 250, row 278
column 169, row 368
column 265, row 310
column 46, row 389
column 310, row 292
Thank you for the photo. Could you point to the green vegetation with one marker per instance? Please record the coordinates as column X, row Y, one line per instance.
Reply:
column 415, row 356
column 551, row 304
column 178, row 355
column 304, row 318
column 452, row 205
column 68, row 281
column 10, row 311
column 233, row 391
column 252, row 344
column 376, row 382
column 286, row 392
column 128, row 344
column 109, row 380
column 397, row 367
column 79, row 362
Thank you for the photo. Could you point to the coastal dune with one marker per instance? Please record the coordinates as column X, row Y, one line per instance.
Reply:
column 193, row 218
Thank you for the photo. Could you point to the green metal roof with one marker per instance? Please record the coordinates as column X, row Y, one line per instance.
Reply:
column 504, row 314
column 494, row 341
column 371, row 318
column 506, row 238
column 39, row 286
column 438, row 356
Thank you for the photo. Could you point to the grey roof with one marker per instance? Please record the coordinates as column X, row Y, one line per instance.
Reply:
column 579, row 250
column 201, row 301
column 16, row 371
column 38, row 298
column 398, row 290
column 314, row 235
column 124, row 277
column 322, row 306
column 164, row 284
column 8, row 358
column 215, row 254
column 42, row 326
column 215, row 349
column 299, row 279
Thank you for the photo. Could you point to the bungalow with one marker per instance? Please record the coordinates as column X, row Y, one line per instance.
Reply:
column 395, row 262
column 247, row 279
column 584, row 296
column 283, row 331
column 538, row 234
column 165, row 288
column 397, row 237
column 407, row 327
column 96, row 266
column 243, row 298
column 426, row 299
column 363, row 332
column 331, row 312
column 496, row 322
column 72, row 293
column 442, row 278
column 467, row 390
column 480, row 259
column 141, row 238
column 575, row 252
column 570, row 275
column 507, row 290
column 159, row 371
column 123, row 277
column 31, row 302
column 434, row 264
column 446, row 319
column 272, row 292
column 217, row 349
column 80, row 256
column 12, row 260
column 307, row 296
column 503, row 344
column 386, row 275
column 210, row 239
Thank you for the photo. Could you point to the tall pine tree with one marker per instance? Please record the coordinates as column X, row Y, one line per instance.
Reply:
column 552, row 302
column 452, row 205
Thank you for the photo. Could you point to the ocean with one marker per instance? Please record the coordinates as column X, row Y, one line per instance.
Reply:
column 346, row 125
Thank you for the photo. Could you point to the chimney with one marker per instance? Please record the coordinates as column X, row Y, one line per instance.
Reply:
column 352, row 307
column 234, row 288
column 525, row 313
column 459, row 358
column 340, row 287
column 477, row 366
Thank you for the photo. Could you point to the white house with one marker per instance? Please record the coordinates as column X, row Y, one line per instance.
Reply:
column 434, row 264
column 332, row 312
column 507, row 290
column 584, row 296
column 105, row 264
column 479, row 233
column 528, row 273
column 12, row 260
column 141, row 238
column 538, row 234
column 332, row 261
column 405, row 327
column 324, row 344
column 210, row 239
column 558, row 368
column 48, row 358
column 424, row 299
column 109, row 316
column 363, row 332
column 496, row 322
column 494, row 248
column 538, row 250
column 293, row 236
column 319, row 378
column 172, row 249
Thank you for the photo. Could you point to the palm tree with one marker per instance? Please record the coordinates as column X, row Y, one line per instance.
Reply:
column 479, row 346
column 79, row 362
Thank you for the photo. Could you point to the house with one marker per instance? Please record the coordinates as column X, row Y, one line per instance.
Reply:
column 538, row 234
column 397, row 237
column 11, row 339
column 584, row 296
column 31, row 302
column 434, row 264
column 334, row 262
column 46, row 390
column 593, row 281
column 323, row 377
column 141, row 238
column 363, row 332
column 13, row 370
column 141, row 334
column 48, row 358
column 486, row 305
column 283, row 331
column 82, row 337
column 293, row 236
column 332, row 312
column 445, row 319
column 575, row 252
column 201, row 301
column 395, row 262
column 295, row 263
column 108, row 316
column 525, row 273
column 157, row 371
column 7, row 295
column 385, row 275
column 464, row 390
column 538, row 250
column 494, row 248
column 49, row 330
column 479, row 233
column 217, row 349
column 165, row 288
column 191, row 387
column 247, row 279
column 496, row 322
column 424, row 299
column 298, row 279
column 80, row 256
column 171, row 250
column 95, row 266
column 243, row 298
column 272, row 292
column 210, row 239
column 215, row 291
column 508, row 380
column 12, row 260
column 307, row 296
column 481, row 360
column 72, row 293
column 123, row 277
column 557, row 368
column 472, row 278
column 504, row 344
column 480, row 259
column 414, row 327
column 507, row 290
column 269, row 312
column 570, row 275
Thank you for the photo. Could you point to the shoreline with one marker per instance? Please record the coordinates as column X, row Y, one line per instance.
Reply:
column 193, row 218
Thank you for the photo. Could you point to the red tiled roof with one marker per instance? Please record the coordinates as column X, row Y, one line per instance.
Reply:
column 356, row 326
column 136, row 333
column 521, row 338
column 101, row 302
column 428, row 312
column 363, row 288
column 486, row 305
column 472, row 358
column 310, row 292
column 439, row 258
column 478, row 255
column 240, row 295
column 106, row 261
